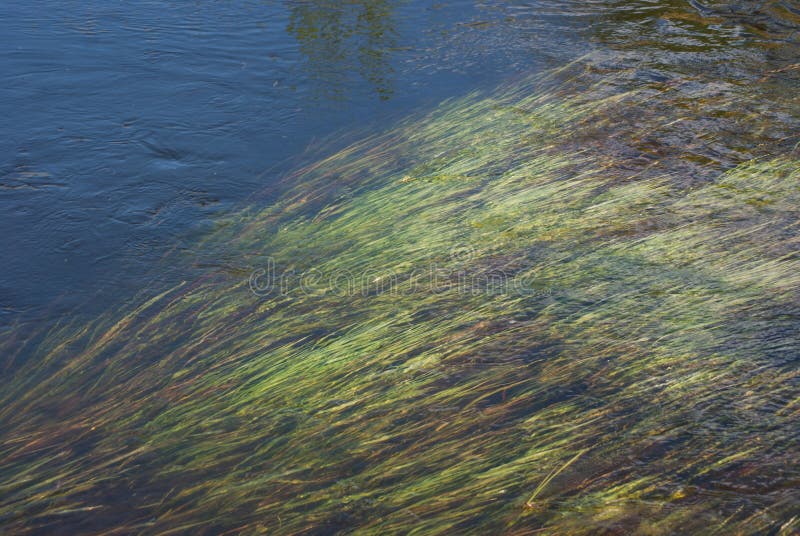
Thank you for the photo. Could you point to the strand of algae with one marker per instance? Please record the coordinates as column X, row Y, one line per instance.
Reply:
column 657, row 372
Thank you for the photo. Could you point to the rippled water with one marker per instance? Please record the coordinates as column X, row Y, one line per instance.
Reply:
column 650, row 185
column 127, row 128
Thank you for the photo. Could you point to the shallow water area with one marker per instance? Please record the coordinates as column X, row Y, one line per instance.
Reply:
column 515, row 268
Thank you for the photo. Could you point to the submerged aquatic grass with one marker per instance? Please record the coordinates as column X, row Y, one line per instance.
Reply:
column 647, row 383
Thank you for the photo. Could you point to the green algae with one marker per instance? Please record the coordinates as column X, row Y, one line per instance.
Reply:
column 635, row 372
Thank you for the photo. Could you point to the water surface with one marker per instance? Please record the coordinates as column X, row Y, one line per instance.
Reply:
column 127, row 128
column 634, row 162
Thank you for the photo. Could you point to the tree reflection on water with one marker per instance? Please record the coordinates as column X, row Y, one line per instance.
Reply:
column 344, row 38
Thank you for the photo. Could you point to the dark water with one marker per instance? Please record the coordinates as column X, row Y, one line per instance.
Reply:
column 127, row 128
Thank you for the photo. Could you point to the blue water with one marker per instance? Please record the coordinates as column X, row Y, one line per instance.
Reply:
column 127, row 127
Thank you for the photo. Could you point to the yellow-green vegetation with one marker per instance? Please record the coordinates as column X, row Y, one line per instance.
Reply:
column 635, row 374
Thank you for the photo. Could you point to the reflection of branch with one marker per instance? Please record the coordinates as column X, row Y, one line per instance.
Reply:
column 340, row 38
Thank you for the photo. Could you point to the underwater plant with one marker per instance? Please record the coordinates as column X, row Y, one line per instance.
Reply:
column 622, row 360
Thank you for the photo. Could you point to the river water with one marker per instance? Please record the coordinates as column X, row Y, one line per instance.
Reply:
column 649, row 385
column 127, row 128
